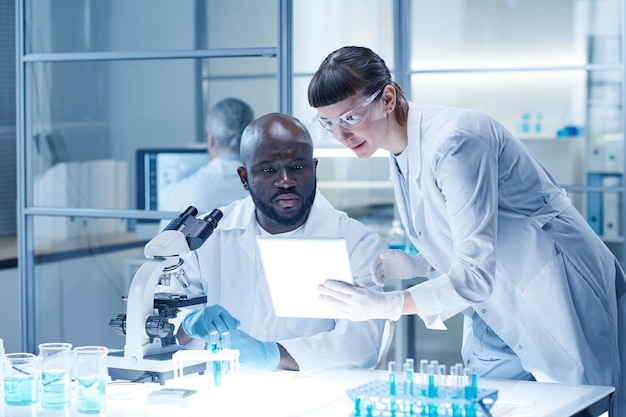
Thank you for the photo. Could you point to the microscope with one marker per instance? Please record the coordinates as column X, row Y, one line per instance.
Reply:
column 150, row 340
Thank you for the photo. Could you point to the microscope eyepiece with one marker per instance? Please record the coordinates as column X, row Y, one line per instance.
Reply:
column 196, row 230
column 214, row 217
column 190, row 211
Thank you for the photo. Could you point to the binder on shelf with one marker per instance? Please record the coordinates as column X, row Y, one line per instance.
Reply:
column 594, row 203
column 611, row 208
column 604, row 207
column 57, row 187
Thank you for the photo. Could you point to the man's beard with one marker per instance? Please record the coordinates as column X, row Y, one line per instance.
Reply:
column 269, row 212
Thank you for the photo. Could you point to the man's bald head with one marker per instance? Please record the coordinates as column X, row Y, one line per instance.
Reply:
column 271, row 130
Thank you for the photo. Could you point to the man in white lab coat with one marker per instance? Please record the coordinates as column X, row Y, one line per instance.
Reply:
column 279, row 171
column 216, row 184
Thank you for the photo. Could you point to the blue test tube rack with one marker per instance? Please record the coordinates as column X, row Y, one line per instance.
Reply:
column 433, row 394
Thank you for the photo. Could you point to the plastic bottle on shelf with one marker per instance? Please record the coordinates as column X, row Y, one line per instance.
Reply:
column 524, row 126
column 396, row 237
column 538, row 123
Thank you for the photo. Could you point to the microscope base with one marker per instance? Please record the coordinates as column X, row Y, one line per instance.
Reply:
column 153, row 368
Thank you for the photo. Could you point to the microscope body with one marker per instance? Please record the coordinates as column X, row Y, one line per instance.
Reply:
column 150, row 341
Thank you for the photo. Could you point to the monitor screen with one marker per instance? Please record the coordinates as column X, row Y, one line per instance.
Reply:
column 157, row 168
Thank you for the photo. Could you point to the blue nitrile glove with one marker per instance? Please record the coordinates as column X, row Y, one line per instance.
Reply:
column 253, row 353
column 200, row 323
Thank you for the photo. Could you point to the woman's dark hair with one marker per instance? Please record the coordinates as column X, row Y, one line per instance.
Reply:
column 353, row 70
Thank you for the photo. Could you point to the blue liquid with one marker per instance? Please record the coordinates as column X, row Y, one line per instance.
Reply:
column 400, row 246
column 409, row 386
column 432, row 388
column 357, row 407
column 56, row 389
column 217, row 374
column 90, row 395
column 392, row 383
column 20, row 390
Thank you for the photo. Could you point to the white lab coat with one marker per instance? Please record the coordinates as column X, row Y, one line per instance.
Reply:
column 505, row 240
column 216, row 184
column 228, row 270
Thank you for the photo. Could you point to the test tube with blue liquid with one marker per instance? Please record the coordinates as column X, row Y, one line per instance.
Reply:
column 225, row 365
column 442, row 389
column 471, row 390
column 357, row 406
column 432, row 379
column 217, row 368
column 432, row 408
column 391, row 367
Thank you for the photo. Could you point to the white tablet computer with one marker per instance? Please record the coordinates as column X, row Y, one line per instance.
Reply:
column 294, row 267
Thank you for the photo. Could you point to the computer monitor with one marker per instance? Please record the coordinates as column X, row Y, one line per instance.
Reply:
column 157, row 168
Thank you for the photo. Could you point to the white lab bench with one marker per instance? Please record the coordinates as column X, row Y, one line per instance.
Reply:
column 283, row 394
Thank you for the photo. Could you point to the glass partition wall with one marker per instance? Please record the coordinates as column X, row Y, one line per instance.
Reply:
column 100, row 81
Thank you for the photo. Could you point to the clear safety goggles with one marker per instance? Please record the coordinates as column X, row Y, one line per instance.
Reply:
column 351, row 118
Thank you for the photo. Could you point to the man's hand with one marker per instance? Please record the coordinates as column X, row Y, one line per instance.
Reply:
column 215, row 318
column 397, row 264
column 253, row 353
column 358, row 303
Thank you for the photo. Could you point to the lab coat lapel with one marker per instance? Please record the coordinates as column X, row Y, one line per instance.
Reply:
column 243, row 216
column 414, row 154
column 394, row 175
column 414, row 146
column 414, row 149
column 317, row 224
column 247, row 241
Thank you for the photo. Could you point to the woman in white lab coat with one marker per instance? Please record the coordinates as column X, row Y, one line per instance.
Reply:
column 499, row 240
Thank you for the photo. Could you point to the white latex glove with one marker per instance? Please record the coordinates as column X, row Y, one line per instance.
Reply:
column 397, row 264
column 359, row 303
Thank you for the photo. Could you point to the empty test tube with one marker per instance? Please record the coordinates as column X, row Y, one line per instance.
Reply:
column 455, row 382
column 391, row 367
column 409, row 371
column 424, row 375
column 441, row 375
column 225, row 336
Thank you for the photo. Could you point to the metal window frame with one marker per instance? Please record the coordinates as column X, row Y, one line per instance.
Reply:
column 25, row 213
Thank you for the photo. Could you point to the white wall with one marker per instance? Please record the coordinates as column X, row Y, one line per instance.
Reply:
column 10, row 325
column 77, row 297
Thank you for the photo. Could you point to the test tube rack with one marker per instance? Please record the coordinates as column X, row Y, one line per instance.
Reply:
column 224, row 363
column 374, row 399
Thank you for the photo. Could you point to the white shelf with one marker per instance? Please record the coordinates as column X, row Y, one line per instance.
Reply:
column 356, row 185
